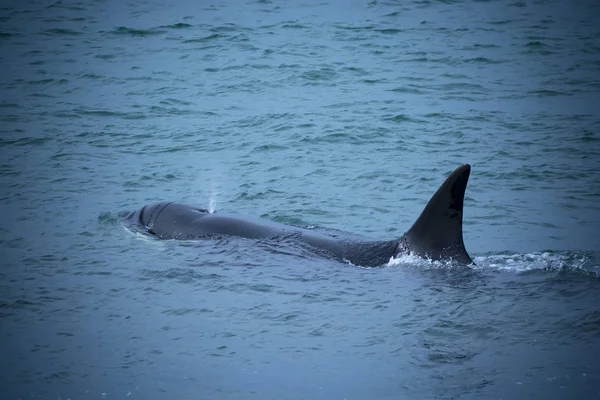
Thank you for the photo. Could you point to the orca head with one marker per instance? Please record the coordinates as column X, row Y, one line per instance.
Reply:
column 148, row 214
column 437, row 233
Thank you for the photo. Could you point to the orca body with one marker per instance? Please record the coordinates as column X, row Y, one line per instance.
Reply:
column 436, row 234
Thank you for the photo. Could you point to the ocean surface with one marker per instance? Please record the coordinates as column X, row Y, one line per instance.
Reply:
column 339, row 114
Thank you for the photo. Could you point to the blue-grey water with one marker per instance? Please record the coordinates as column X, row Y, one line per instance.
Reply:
column 339, row 114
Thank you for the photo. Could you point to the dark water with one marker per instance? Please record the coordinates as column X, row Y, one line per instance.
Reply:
column 346, row 115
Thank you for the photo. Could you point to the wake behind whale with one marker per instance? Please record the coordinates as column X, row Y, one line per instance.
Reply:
column 436, row 234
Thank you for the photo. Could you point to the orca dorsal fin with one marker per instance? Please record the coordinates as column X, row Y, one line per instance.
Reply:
column 437, row 233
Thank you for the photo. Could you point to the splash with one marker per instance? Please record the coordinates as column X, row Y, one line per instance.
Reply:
column 212, row 204
column 411, row 259
column 140, row 235
column 214, row 185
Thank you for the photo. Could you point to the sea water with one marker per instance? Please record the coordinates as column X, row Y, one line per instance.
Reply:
column 342, row 114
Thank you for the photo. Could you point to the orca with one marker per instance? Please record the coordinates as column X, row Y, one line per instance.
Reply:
column 436, row 234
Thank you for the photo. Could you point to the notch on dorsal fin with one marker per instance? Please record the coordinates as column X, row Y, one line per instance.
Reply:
column 437, row 233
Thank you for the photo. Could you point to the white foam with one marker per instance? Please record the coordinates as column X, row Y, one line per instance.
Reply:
column 531, row 261
column 507, row 262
